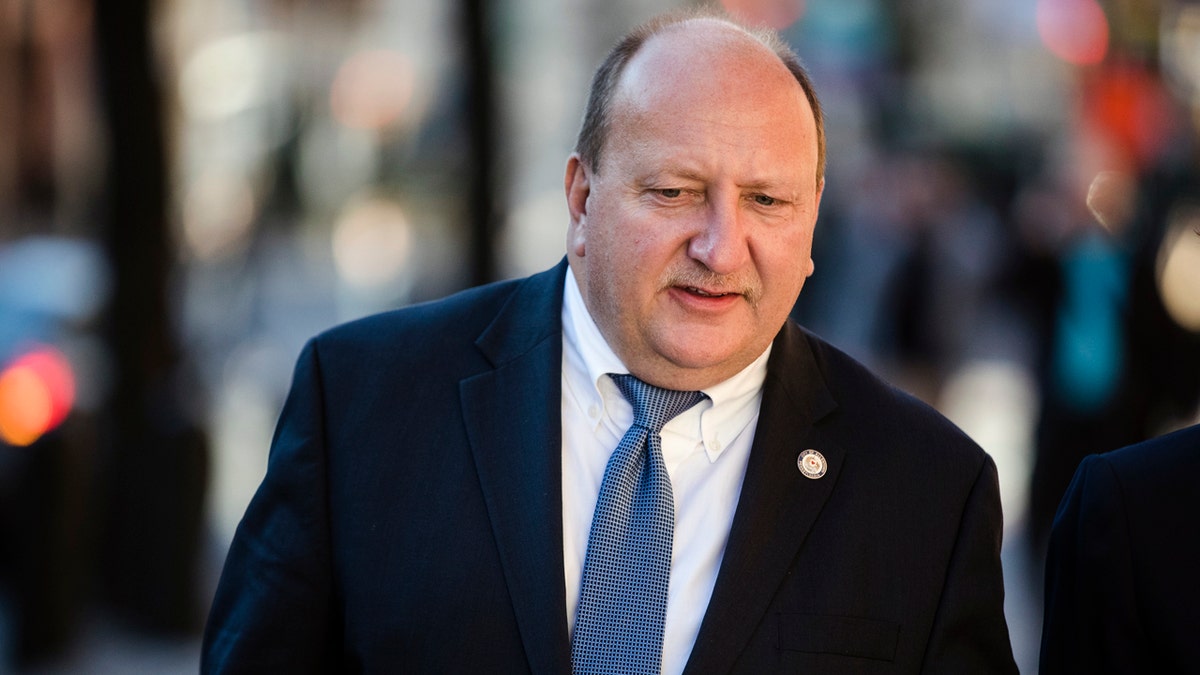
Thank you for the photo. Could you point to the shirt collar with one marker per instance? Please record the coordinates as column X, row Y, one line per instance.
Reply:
column 582, row 333
column 729, row 409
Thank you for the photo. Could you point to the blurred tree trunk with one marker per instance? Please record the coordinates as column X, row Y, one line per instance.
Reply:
column 154, row 465
column 486, row 209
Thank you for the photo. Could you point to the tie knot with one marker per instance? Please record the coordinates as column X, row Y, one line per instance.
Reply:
column 654, row 406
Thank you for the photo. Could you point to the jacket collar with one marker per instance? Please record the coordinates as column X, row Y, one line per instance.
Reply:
column 512, row 414
column 778, row 504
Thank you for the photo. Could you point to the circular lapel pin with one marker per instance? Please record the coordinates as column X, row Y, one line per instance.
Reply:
column 812, row 464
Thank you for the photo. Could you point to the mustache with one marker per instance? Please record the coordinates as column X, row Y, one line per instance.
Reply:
column 698, row 276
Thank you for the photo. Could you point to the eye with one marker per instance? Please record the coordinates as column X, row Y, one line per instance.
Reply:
column 765, row 200
column 670, row 193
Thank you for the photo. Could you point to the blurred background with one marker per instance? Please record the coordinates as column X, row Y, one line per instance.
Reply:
column 189, row 189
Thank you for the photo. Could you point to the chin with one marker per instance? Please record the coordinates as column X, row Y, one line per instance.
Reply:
column 704, row 345
column 700, row 358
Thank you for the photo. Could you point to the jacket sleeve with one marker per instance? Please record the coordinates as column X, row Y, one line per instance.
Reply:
column 273, row 608
column 970, row 634
column 1091, row 619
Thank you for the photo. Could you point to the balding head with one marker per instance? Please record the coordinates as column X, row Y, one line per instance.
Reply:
column 597, row 120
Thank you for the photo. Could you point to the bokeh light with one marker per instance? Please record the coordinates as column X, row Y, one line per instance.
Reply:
column 230, row 75
column 777, row 14
column 372, row 90
column 218, row 210
column 1180, row 50
column 37, row 391
column 1111, row 198
column 1179, row 268
column 371, row 242
column 1127, row 103
column 1075, row 31
column 55, row 276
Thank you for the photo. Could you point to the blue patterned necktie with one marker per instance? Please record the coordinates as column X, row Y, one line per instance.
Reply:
column 623, row 604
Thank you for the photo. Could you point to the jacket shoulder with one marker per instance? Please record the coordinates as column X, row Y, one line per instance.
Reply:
column 880, row 414
column 452, row 315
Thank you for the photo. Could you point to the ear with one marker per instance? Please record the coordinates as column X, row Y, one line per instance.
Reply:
column 577, row 185
column 810, row 265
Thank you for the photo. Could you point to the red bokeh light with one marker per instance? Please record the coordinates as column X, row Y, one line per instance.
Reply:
column 37, row 391
column 777, row 14
column 1075, row 31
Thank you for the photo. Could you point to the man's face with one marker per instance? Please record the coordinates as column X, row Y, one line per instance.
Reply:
column 693, row 237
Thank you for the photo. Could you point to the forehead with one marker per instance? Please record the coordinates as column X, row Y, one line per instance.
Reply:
column 705, row 84
column 706, row 59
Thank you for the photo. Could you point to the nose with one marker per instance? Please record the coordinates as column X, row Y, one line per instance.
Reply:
column 721, row 244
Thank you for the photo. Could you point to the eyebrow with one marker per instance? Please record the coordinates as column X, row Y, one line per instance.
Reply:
column 672, row 172
column 695, row 176
column 763, row 186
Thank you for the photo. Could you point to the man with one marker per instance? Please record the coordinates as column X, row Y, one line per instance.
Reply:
column 438, row 497
column 1122, row 593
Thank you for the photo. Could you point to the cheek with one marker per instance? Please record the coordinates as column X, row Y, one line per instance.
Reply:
column 786, row 262
column 629, row 244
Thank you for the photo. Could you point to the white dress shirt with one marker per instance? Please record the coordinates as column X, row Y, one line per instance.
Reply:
column 705, row 450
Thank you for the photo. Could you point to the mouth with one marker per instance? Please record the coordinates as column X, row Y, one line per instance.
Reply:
column 708, row 291
column 706, row 294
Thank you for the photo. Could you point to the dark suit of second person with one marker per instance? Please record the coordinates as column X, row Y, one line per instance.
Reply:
column 1122, row 588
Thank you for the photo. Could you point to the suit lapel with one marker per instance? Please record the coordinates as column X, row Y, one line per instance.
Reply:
column 512, row 414
column 777, row 507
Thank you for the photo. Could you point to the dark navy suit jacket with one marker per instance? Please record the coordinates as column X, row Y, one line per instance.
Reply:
column 410, row 519
column 1123, row 567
